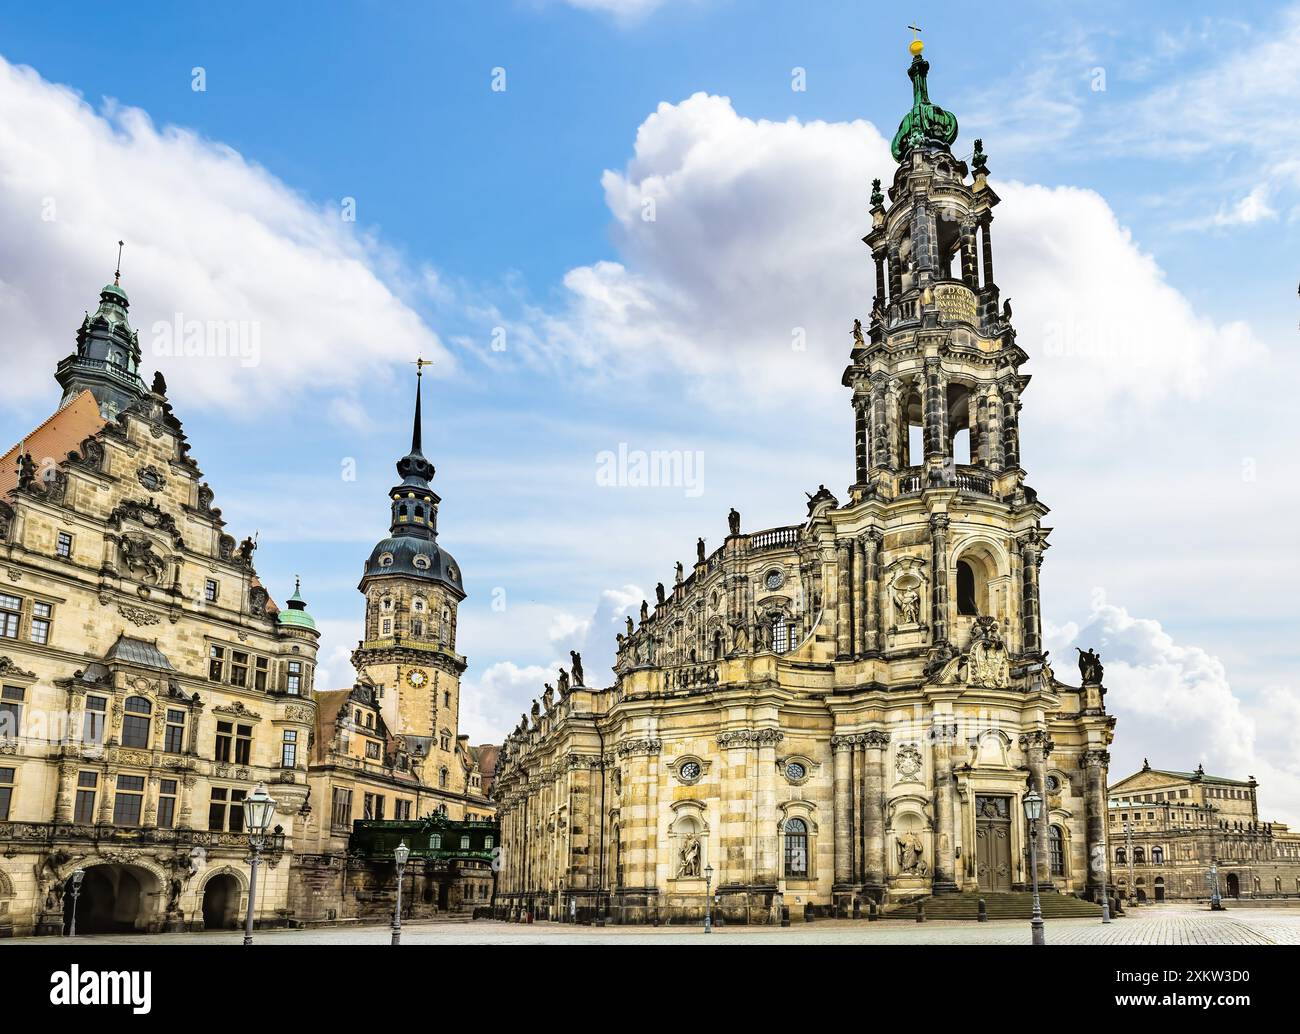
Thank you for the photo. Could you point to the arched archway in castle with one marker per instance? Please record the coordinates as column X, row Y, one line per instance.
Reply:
column 114, row 898
column 221, row 902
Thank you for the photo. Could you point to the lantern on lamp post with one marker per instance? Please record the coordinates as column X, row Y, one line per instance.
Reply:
column 1033, row 804
column 400, row 854
column 259, row 809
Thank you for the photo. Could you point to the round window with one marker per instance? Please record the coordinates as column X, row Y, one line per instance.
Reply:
column 775, row 579
column 690, row 770
column 795, row 771
column 421, row 562
column 386, row 560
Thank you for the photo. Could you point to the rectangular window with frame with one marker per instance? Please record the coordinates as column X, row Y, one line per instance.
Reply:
column 42, row 616
column 294, row 683
column 6, row 792
column 174, row 732
column 243, row 744
column 136, row 722
column 129, row 800
column 464, row 843
column 238, row 668
column 87, row 787
column 11, row 711
column 372, row 750
column 225, row 740
column 166, row 803
column 226, row 810
column 261, row 671
column 341, row 812
column 11, row 612
column 289, row 749
column 94, row 720
column 63, row 546
column 216, row 662
column 210, row 590
column 401, row 810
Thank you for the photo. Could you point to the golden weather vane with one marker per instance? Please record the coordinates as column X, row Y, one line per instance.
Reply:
column 420, row 364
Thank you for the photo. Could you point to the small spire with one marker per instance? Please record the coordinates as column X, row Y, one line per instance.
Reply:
column 117, row 273
column 420, row 364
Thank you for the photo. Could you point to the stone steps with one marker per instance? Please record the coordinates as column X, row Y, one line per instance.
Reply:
column 1015, row 905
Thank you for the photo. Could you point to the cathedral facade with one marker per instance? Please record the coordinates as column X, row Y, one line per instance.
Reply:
column 148, row 681
column 849, row 709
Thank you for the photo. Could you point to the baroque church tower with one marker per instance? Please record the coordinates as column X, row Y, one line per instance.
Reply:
column 413, row 588
column 854, row 707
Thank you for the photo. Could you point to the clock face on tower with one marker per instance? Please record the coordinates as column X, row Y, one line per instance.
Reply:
column 417, row 678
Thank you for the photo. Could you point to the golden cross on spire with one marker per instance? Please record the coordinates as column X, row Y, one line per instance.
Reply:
column 420, row 364
column 916, row 30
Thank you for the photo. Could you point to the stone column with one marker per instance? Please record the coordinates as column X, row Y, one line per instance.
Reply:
column 1037, row 745
column 844, row 620
column 880, row 456
column 1095, row 763
column 939, row 574
column 895, row 273
column 934, row 408
column 859, row 596
column 870, row 636
column 896, row 423
column 186, row 804
column 860, row 431
column 923, row 238
column 873, row 791
column 988, row 250
column 66, row 796
column 943, row 732
column 842, row 748
column 1010, row 425
column 879, row 256
column 765, row 872
column 969, row 263
column 997, row 453
column 1031, row 556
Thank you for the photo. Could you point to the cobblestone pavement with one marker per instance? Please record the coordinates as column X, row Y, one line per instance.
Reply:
column 1161, row 924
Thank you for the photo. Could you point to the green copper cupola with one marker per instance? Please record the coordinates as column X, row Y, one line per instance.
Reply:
column 927, row 125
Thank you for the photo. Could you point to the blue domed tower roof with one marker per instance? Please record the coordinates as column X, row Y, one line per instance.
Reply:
column 411, row 549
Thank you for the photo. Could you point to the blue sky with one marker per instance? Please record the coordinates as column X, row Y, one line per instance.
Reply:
column 1149, row 170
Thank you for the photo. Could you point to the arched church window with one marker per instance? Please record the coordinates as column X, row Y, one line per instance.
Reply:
column 1157, row 855
column 1121, row 856
column 717, row 646
column 796, row 849
column 1056, row 850
column 417, row 628
column 1139, row 856
column 967, row 604
column 780, row 634
column 419, row 513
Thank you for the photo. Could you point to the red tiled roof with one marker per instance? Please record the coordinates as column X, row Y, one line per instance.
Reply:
column 61, row 433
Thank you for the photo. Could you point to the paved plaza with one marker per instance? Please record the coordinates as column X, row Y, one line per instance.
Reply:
column 1159, row 924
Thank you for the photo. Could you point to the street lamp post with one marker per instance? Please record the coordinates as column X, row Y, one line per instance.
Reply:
column 77, row 876
column 1033, row 809
column 1105, row 868
column 708, row 899
column 258, row 811
column 400, row 854
column 1132, row 884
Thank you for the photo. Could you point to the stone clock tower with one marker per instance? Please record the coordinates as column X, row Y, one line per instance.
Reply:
column 412, row 588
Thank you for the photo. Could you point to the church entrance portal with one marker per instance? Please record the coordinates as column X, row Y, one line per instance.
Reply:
column 993, row 842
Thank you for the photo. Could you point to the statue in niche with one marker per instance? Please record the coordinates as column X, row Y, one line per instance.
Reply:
column 911, row 855
column 699, row 551
column 907, row 601
column 576, row 658
column 688, row 864
column 733, row 521
column 1090, row 667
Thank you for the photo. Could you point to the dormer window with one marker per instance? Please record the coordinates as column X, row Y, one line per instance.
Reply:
column 419, row 605
column 386, row 560
column 421, row 562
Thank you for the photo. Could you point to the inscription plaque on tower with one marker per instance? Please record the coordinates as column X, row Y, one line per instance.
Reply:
column 956, row 303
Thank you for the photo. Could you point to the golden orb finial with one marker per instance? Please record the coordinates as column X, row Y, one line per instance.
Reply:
column 916, row 46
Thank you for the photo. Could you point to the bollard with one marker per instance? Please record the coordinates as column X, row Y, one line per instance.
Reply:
column 920, row 911
column 808, row 912
column 984, row 911
column 872, row 914
column 857, row 908
column 785, row 915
